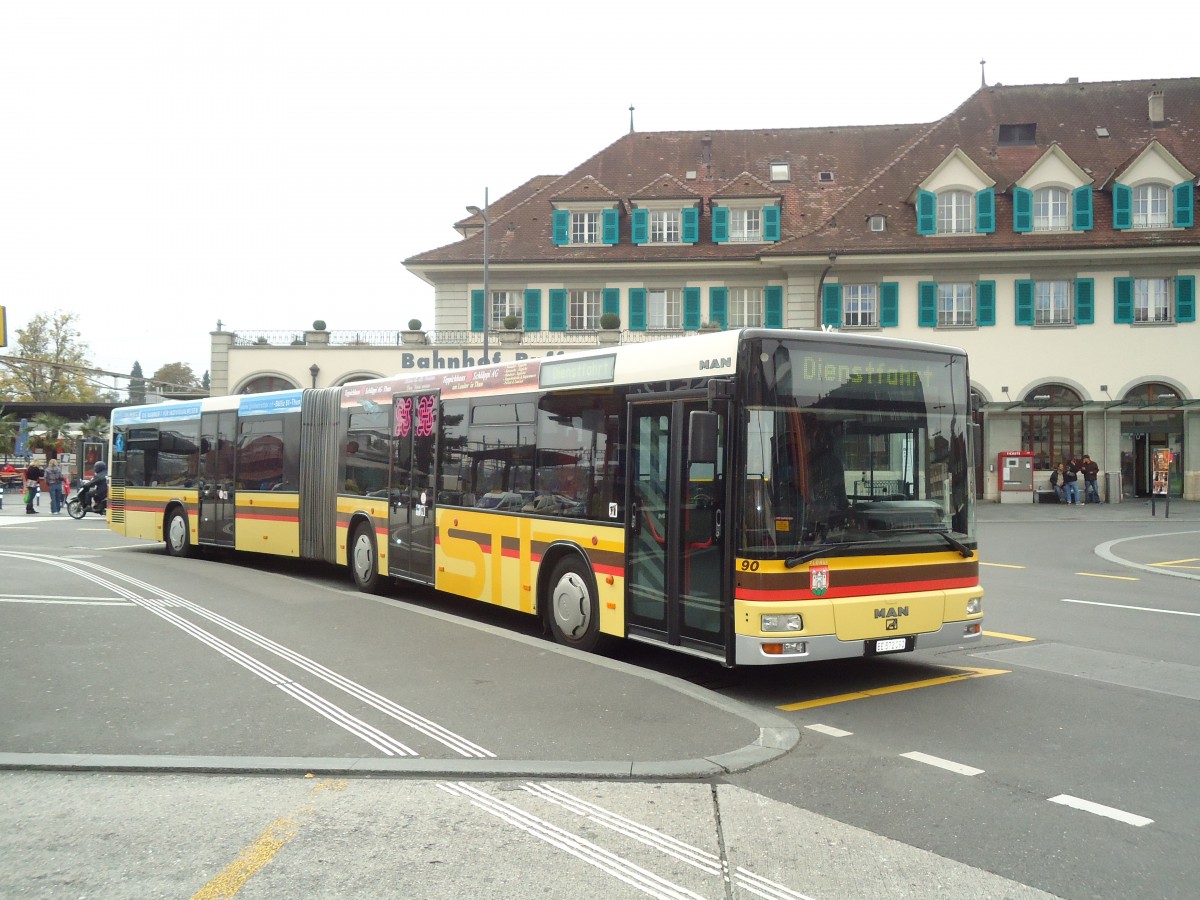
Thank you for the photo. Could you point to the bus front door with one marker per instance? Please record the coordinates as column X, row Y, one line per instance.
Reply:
column 411, row 530
column 218, row 438
column 674, row 570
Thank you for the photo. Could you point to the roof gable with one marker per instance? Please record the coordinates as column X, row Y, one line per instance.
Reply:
column 1154, row 163
column 1054, row 168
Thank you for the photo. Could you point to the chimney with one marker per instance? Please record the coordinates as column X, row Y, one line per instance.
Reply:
column 1156, row 107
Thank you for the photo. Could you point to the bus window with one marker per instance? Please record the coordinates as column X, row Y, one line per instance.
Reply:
column 366, row 453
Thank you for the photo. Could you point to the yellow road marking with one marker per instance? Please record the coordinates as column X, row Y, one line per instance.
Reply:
column 261, row 850
column 967, row 672
column 1001, row 565
column 1114, row 577
column 1176, row 562
column 1008, row 637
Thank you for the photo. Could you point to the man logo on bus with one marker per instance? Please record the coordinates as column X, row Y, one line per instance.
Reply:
column 818, row 579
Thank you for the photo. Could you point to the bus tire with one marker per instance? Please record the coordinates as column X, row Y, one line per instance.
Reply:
column 176, row 535
column 573, row 607
column 363, row 558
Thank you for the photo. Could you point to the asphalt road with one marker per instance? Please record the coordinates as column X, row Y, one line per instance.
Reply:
column 299, row 739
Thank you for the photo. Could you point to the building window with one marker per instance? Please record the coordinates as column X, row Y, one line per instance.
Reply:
column 1052, row 437
column 1151, row 206
column 583, row 310
column 955, row 212
column 745, row 307
column 1050, row 210
column 878, row 223
column 664, row 308
column 955, row 305
column 1052, row 303
column 665, row 226
column 860, row 308
column 1151, row 302
column 745, row 225
column 504, row 304
column 585, row 227
column 780, row 172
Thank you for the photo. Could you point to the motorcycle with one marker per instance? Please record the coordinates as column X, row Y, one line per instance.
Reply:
column 85, row 501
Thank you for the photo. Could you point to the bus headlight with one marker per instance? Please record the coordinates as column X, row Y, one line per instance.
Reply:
column 786, row 622
column 974, row 606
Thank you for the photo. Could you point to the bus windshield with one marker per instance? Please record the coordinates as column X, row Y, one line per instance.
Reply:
column 854, row 447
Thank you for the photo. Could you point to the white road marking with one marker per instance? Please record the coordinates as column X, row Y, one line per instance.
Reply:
column 946, row 764
column 1099, row 809
column 72, row 601
column 829, row 730
column 1165, row 612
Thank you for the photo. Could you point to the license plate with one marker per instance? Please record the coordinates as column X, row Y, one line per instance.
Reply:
column 891, row 645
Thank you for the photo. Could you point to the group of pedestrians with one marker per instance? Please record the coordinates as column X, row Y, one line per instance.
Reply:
column 51, row 478
column 1065, row 480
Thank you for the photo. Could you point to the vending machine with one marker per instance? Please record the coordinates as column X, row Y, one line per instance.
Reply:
column 1015, row 468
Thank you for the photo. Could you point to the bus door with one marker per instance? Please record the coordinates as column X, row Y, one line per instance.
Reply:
column 218, row 438
column 411, row 530
column 675, row 574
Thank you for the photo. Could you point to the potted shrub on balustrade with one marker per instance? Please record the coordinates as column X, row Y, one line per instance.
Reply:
column 610, row 328
column 413, row 334
column 512, row 330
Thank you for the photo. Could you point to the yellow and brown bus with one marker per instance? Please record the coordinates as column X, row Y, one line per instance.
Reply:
column 753, row 496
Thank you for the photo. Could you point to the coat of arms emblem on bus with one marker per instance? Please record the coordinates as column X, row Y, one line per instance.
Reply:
column 818, row 579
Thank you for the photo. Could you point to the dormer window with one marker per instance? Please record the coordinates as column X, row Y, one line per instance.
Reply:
column 664, row 226
column 664, row 222
column 586, row 224
column 585, row 227
column 955, row 212
column 1150, row 206
column 744, row 222
column 1050, row 209
column 745, row 225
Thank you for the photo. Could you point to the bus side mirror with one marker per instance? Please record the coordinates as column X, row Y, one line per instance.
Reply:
column 702, row 436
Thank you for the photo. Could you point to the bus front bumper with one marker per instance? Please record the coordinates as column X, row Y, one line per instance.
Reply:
column 749, row 650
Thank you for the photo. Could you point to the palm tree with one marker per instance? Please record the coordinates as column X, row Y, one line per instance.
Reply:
column 9, row 427
column 95, row 427
column 52, row 430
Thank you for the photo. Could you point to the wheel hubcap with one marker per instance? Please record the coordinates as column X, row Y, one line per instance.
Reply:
column 178, row 533
column 363, row 564
column 572, row 605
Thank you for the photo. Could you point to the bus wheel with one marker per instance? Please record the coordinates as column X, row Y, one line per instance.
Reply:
column 178, row 539
column 574, row 610
column 364, row 560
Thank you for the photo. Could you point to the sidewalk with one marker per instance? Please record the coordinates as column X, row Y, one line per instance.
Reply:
column 1129, row 510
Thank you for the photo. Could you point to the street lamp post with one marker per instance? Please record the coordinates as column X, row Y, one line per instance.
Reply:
column 487, row 299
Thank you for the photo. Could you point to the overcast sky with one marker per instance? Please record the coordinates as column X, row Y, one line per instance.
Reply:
column 168, row 164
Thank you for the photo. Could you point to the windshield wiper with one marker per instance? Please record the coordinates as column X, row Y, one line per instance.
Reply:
column 964, row 551
column 824, row 550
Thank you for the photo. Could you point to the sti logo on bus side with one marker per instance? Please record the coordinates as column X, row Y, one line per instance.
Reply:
column 891, row 612
column 725, row 362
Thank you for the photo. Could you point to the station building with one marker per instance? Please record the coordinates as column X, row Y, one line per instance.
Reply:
column 1049, row 230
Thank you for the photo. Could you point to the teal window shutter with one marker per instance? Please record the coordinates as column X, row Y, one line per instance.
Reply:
column 927, row 304
column 477, row 311
column 831, row 304
column 1085, row 301
column 985, row 302
column 889, row 304
column 718, row 305
column 1022, row 210
column 561, row 226
column 558, row 309
column 1185, row 298
column 1024, row 303
column 1185, row 203
column 720, row 224
column 926, row 212
column 985, row 211
column 611, row 302
column 1123, row 300
column 770, row 223
column 533, row 309
column 637, row 309
column 639, row 226
column 1081, row 203
column 691, row 308
column 1122, row 206
column 773, row 301
column 689, row 221
column 610, row 226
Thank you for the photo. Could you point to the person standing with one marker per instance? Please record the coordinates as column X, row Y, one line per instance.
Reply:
column 54, row 482
column 33, row 477
column 1091, row 472
column 1071, row 480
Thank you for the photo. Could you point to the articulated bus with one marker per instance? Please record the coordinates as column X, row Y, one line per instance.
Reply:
column 752, row 496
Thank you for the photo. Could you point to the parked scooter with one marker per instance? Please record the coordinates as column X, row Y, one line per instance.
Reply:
column 92, row 496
